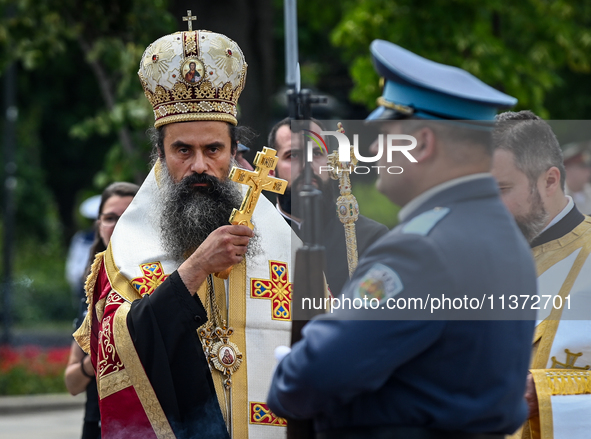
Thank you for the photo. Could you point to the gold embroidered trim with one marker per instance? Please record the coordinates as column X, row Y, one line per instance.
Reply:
column 195, row 116
column 543, row 351
column 118, row 281
column 562, row 243
column 568, row 382
column 218, row 379
column 106, row 346
column 546, row 255
column 540, row 329
column 544, row 425
column 82, row 334
column 99, row 308
column 113, row 383
column 238, row 417
column 190, row 43
column 237, row 306
column 551, row 382
column 204, row 106
column 569, row 363
column 138, row 377
column 200, row 99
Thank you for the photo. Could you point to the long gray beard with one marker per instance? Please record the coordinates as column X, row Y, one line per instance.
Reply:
column 189, row 215
column 532, row 223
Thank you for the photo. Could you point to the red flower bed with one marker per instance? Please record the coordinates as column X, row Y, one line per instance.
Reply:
column 32, row 369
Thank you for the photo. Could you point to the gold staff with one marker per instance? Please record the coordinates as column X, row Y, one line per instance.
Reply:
column 347, row 207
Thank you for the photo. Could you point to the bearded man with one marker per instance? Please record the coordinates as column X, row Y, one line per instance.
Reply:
column 170, row 341
column 528, row 166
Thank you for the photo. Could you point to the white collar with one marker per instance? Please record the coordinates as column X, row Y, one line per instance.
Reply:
column 569, row 206
column 419, row 200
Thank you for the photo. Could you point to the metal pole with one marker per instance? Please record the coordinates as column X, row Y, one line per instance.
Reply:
column 291, row 42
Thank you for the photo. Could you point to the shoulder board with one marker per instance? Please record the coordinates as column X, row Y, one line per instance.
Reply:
column 422, row 224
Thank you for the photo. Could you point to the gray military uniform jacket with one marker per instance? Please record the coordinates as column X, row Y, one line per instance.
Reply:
column 362, row 368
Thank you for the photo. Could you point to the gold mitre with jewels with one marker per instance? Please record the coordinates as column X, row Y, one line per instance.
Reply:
column 193, row 75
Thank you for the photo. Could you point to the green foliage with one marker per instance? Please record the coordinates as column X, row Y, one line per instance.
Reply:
column 36, row 208
column 374, row 205
column 19, row 381
column 517, row 47
column 40, row 292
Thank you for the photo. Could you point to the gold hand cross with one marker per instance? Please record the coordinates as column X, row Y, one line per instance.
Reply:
column 258, row 180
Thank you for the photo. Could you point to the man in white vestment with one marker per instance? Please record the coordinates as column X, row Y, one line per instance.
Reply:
column 528, row 166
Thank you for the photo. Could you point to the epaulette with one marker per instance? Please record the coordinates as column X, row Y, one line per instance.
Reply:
column 424, row 223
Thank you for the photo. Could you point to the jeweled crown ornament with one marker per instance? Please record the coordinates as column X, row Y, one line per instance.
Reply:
column 193, row 75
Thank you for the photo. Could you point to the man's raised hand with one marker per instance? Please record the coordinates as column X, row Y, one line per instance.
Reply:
column 223, row 248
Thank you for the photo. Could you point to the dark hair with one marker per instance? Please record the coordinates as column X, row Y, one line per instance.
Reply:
column 238, row 134
column 121, row 189
column 532, row 142
column 271, row 140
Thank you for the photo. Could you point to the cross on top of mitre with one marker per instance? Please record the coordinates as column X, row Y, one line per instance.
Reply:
column 258, row 181
column 190, row 18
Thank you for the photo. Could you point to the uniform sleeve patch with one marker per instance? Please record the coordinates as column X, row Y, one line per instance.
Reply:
column 422, row 224
column 380, row 282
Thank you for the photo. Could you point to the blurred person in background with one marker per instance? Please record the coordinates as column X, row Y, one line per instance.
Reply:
column 289, row 167
column 240, row 159
column 79, row 375
column 577, row 163
column 80, row 247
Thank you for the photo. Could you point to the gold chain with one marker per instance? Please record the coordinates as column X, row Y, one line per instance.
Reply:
column 222, row 354
column 212, row 305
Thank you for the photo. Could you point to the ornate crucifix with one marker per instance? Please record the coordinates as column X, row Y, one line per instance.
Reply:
column 259, row 181
column 190, row 18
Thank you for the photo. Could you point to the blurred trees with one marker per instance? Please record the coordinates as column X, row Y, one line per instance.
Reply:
column 78, row 97
column 83, row 113
column 526, row 49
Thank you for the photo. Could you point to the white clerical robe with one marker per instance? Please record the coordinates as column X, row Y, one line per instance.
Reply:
column 562, row 343
column 255, row 301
